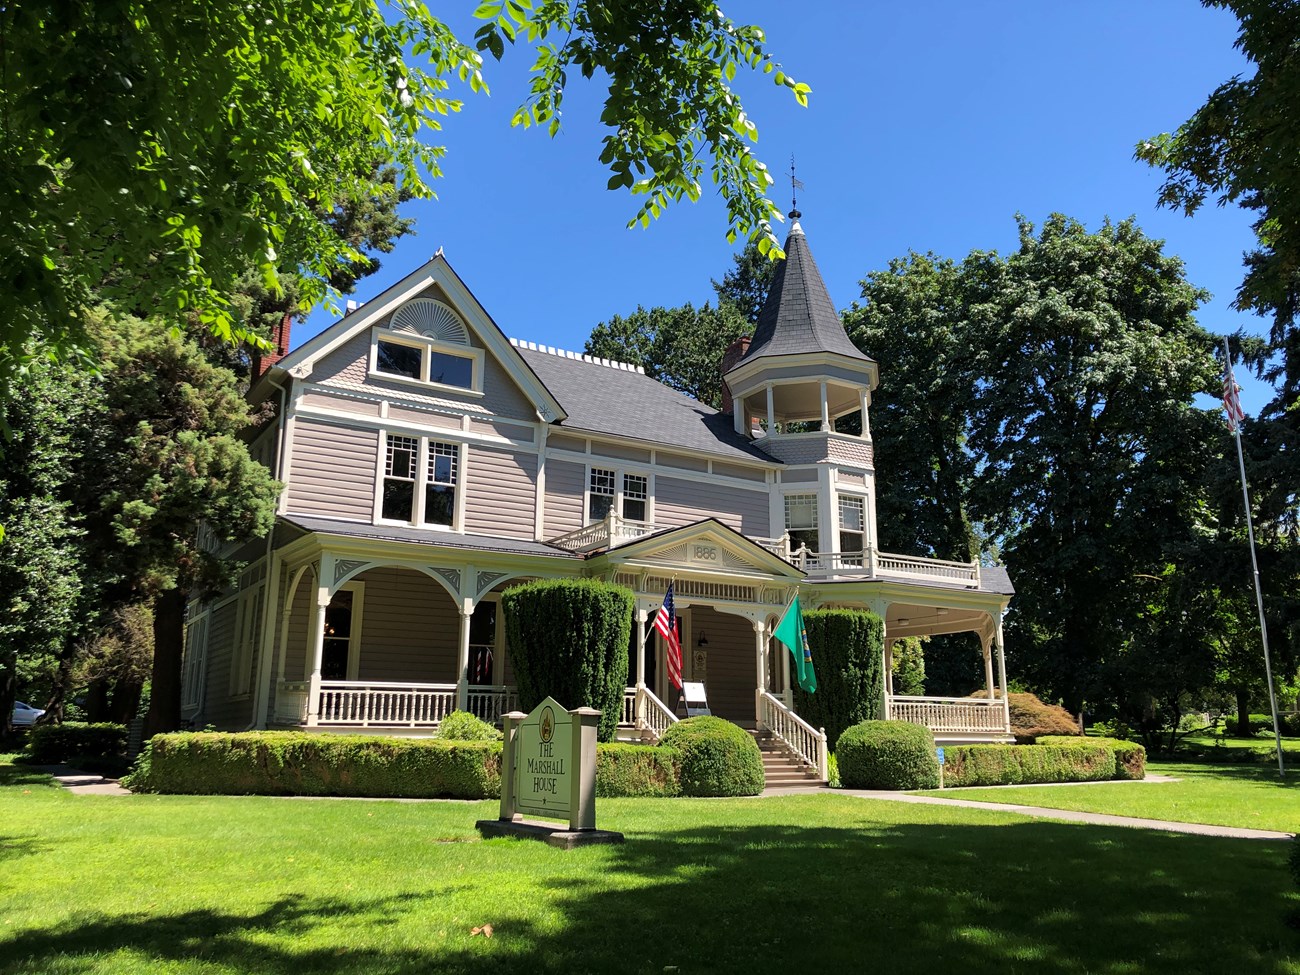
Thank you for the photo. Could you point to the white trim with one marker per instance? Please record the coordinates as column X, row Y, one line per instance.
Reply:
column 358, row 590
column 426, row 345
column 658, row 470
column 384, row 398
column 412, row 429
column 737, row 378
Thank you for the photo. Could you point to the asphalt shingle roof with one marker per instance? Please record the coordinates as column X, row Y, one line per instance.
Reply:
column 625, row 403
column 798, row 315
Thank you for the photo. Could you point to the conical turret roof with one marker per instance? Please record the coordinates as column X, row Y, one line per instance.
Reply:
column 798, row 316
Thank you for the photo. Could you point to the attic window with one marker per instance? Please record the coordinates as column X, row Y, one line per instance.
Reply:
column 415, row 359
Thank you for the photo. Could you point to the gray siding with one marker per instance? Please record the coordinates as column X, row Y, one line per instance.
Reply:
column 218, row 708
column 410, row 628
column 500, row 492
column 680, row 502
column 565, row 484
column 332, row 470
column 730, row 672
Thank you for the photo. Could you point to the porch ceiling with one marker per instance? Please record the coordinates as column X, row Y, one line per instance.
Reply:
column 907, row 619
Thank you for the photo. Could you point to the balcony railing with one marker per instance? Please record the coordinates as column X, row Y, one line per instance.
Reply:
column 611, row 532
column 949, row 715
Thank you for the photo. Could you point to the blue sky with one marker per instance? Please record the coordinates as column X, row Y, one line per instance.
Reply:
column 930, row 126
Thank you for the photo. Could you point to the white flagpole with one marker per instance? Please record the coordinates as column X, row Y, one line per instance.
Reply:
column 1254, row 563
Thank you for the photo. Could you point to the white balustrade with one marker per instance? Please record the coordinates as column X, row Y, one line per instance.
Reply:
column 807, row 743
column 488, row 702
column 656, row 716
column 387, row 705
column 291, row 702
column 610, row 532
column 952, row 715
column 629, row 708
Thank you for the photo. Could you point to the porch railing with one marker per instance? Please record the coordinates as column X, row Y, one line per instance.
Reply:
column 291, row 701
column 871, row 563
column 808, row 744
column 387, row 705
column 629, row 708
column 611, row 532
column 488, row 702
column 954, row 715
column 655, row 714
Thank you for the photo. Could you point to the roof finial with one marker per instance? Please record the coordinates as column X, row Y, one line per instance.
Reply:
column 795, row 186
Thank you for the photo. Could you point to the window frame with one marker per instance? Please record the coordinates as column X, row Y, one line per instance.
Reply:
column 358, row 590
column 861, row 502
column 423, row 481
column 620, row 474
column 426, row 347
column 786, row 497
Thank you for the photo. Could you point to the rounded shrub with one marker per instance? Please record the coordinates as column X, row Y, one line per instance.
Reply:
column 887, row 755
column 718, row 758
column 463, row 726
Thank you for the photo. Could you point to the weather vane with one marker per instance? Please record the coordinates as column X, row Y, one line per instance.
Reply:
column 795, row 186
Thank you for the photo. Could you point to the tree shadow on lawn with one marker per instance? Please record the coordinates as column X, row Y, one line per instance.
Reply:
column 1263, row 774
column 1040, row 897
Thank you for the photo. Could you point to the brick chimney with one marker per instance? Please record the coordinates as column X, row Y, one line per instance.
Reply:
column 735, row 352
column 263, row 361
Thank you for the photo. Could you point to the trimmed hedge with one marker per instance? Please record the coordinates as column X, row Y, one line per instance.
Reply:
column 718, row 758
column 288, row 763
column 846, row 649
column 637, row 771
column 463, row 726
column 1130, row 757
column 1026, row 764
column 568, row 639
column 1032, row 718
column 52, row 743
column 887, row 755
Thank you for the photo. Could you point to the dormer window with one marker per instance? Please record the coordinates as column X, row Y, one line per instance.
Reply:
column 427, row 343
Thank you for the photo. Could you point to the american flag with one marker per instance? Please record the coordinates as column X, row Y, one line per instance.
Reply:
column 666, row 624
column 1231, row 399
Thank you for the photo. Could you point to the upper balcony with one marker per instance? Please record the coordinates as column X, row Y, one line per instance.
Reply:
column 614, row 531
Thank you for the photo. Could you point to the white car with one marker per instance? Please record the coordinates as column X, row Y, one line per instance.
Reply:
column 25, row 715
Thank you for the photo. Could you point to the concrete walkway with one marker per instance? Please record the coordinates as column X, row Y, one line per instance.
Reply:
column 1074, row 816
column 82, row 783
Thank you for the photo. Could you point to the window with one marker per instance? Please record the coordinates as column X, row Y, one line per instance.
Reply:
column 337, row 646
column 801, row 520
column 248, row 630
column 426, row 363
column 399, row 360
column 600, row 501
column 604, row 496
column 196, row 638
column 852, row 520
column 636, row 489
column 482, row 642
column 408, row 497
column 399, row 478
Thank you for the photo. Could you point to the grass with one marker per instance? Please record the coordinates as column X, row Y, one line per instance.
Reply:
column 1252, row 796
column 821, row 883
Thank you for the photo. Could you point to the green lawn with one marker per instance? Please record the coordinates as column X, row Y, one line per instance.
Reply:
column 1225, row 795
column 807, row 883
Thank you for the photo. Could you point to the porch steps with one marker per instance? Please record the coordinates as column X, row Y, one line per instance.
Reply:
column 781, row 772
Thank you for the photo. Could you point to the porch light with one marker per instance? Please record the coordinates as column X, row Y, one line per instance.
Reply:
column 703, row 641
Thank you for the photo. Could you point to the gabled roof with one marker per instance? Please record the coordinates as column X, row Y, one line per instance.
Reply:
column 759, row 559
column 439, row 271
column 623, row 402
column 798, row 316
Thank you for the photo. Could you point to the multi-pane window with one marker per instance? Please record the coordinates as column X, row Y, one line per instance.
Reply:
column 399, row 478
column 412, row 495
column 440, row 483
column 425, row 364
column 636, row 491
column 801, row 520
column 601, row 491
column 852, row 522
column 626, row 494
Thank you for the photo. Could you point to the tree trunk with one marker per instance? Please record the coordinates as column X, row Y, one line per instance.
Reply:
column 97, row 701
column 168, row 639
column 1243, row 712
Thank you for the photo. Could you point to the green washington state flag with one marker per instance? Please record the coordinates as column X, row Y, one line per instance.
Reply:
column 791, row 632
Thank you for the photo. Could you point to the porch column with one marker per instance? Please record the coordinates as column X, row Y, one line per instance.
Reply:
column 887, row 678
column 826, row 410
column 642, row 617
column 771, row 412
column 1002, row 674
column 864, row 401
column 787, row 691
column 462, row 666
column 987, row 645
column 318, row 638
column 760, row 648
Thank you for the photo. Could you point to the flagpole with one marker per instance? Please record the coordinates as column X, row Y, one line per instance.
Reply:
column 1254, row 562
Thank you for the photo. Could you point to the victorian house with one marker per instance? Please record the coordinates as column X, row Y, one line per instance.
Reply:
column 430, row 462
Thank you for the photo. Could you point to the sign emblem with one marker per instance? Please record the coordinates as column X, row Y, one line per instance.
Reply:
column 548, row 725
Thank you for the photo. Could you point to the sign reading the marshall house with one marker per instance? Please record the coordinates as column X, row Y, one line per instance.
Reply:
column 548, row 769
column 545, row 762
